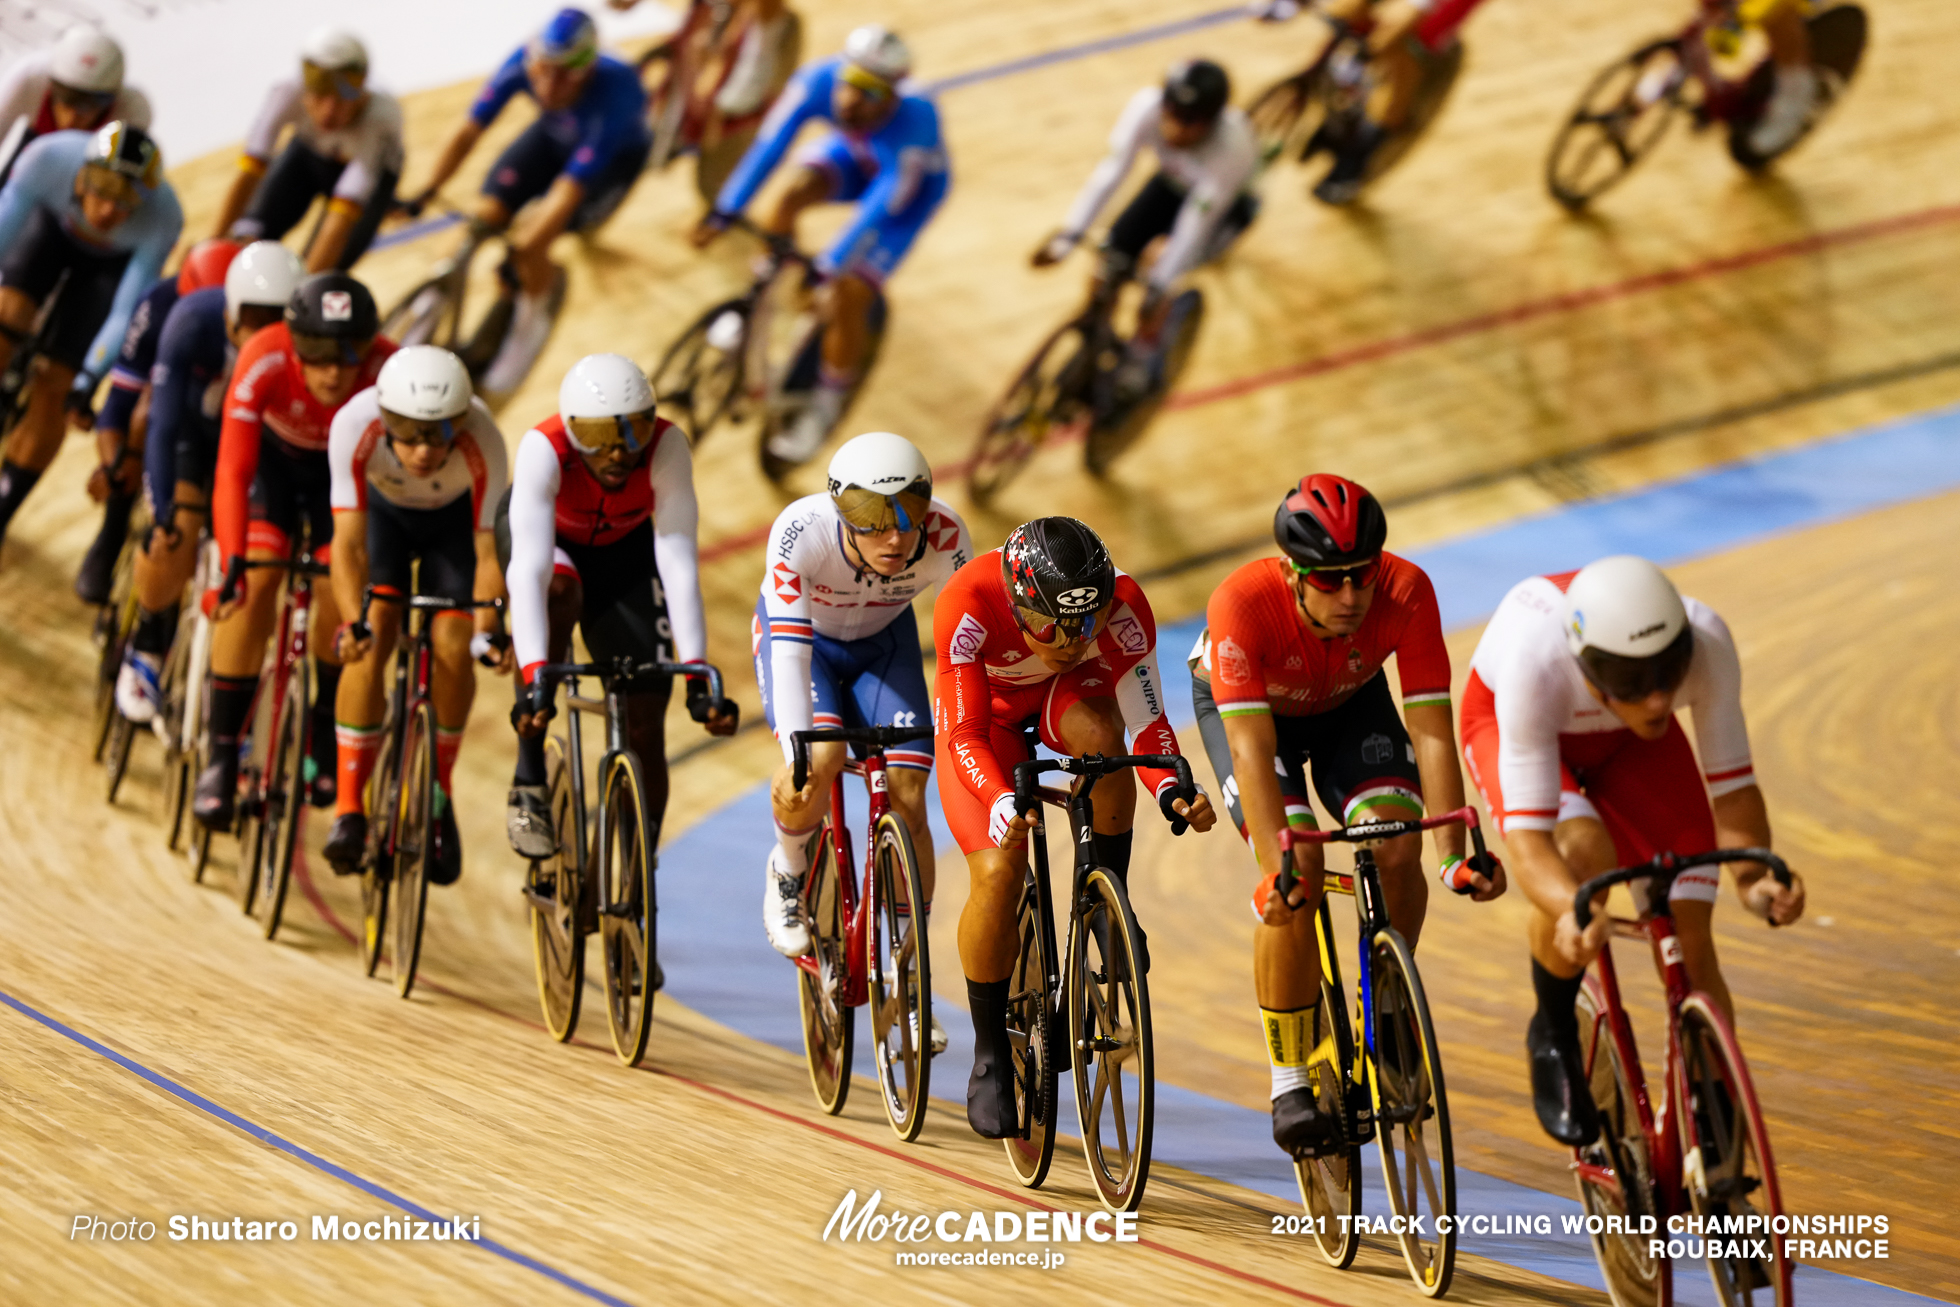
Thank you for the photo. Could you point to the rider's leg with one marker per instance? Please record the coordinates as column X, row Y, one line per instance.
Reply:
column 163, row 568
column 538, row 279
column 358, row 709
column 799, row 813
column 564, row 601
column 35, row 440
column 1095, row 725
column 908, row 791
column 1796, row 88
column 454, row 691
column 321, row 752
column 17, row 310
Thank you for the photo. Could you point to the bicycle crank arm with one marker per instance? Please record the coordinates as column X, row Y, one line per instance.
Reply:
column 1101, row 1045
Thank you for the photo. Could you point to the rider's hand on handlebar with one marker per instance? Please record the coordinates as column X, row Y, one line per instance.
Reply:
column 533, row 711
column 720, row 718
column 1055, row 249
column 1480, row 876
column 1269, row 907
column 784, row 794
column 1578, row 948
column 1198, row 811
column 1772, row 902
column 352, row 641
column 1008, row 828
column 493, row 650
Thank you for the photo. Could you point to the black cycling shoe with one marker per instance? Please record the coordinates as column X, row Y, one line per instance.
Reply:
column 347, row 843
column 216, row 795
column 1558, row 1087
column 1343, row 182
column 98, row 570
column 990, row 1099
column 527, row 820
column 448, row 862
column 1300, row 1128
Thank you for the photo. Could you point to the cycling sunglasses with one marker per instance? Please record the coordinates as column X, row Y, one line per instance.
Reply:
column 69, row 97
column 603, row 435
column 418, row 431
column 324, row 350
column 1330, row 580
column 107, row 184
column 340, row 83
column 867, row 81
column 1043, row 629
column 869, row 513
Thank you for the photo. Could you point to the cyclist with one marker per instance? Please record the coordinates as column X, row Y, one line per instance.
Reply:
column 271, row 479
column 837, row 644
column 888, row 156
column 201, row 337
column 418, row 472
column 1288, row 672
column 755, row 51
column 1569, row 730
column 1200, row 196
column 346, row 145
column 121, row 425
column 76, row 85
column 1043, row 631
column 95, row 209
column 582, row 155
column 602, row 533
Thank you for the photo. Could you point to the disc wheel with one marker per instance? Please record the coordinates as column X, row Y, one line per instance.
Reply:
column 1617, row 122
column 899, row 974
column 414, row 820
column 1110, row 1054
column 1730, row 1172
column 553, row 892
column 700, row 375
column 1837, row 46
column 1615, row 1173
column 1330, row 1184
column 1050, row 395
column 628, row 939
column 822, row 979
column 1031, row 1041
column 1412, row 1116
column 285, row 797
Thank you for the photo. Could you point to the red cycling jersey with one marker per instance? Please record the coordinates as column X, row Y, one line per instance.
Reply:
column 586, row 512
column 269, row 397
column 1260, row 655
column 990, row 685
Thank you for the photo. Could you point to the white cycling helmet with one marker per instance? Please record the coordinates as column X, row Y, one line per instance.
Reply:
column 265, row 273
column 878, row 51
column 334, row 48
column 424, row 383
column 879, row 481
column 605, row 401
column 87, row 58
column 1627, row 626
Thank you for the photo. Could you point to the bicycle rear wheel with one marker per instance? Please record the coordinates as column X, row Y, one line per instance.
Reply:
column 1728, row 1166
column 285, row 797
column 1620, row 118
column 1285, row 117
column 1837, row 46
column 700, row 375
column 899, row 975
column 1109, row 439
column 1330, row 1183
column 1031, row 1020
column 822, row 978
column 115, row 754
column 1049, row 396
column 1412, row 1115
column 1615, row 1173
column 628, row 908
column 1110, row 1053
column 414, row 822
column 552, row 890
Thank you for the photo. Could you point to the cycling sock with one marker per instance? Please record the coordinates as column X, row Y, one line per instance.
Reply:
column 328, row 688
column 447, row 743
column 530, row 761
column 115, row 524
column 987, row 1000
column 231, row 704
column 1113, row 852
column 15, row 482
column 795, row 846
column 1289, row 1045
column 1557, row 997
column 356, row 748
column 154, row 631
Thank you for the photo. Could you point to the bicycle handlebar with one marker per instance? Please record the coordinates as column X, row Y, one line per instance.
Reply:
column 1665, row 867
column 1095, row 766
column 620, row 669
column 1371, row 833
column 235, row 571
column 879, row 738
column 425, row 603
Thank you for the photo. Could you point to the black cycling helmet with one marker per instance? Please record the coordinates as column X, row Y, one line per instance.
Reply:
column 1056, row 568
column 1329, row 521
column 1196, row 90
column 335, row 306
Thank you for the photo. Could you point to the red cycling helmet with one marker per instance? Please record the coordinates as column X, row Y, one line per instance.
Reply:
column 206, row 264
column 1329, row 521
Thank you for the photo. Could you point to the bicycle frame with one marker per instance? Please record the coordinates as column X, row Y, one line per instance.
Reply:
column 288, row 644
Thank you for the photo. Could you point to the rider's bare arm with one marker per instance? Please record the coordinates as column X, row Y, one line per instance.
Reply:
column 1434, row 738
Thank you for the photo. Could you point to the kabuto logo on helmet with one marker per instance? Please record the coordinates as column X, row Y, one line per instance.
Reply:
column 1082, row 599
column 337, row 306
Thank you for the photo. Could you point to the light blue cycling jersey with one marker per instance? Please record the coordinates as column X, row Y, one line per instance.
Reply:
column 45, row 177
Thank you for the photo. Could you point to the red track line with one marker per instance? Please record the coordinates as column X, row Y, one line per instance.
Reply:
column 1528, row 311
column 304, row 875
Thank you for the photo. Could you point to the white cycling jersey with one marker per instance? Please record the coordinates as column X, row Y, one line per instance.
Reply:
column 369, row 146
column 1212, row 174
column 24, row 89
column 362, row 461
column 812, row 585
column 1541, row 694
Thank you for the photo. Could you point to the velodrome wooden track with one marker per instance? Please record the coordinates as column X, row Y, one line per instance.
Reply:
column 1458, row 343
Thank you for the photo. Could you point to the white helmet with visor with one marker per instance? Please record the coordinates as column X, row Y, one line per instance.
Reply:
column 880, row 482
column 605, row 402
column 1627, row 626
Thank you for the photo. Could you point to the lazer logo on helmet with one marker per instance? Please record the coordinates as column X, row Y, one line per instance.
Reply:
column 1082, row 599
column 1646, row 631
column 337, row 306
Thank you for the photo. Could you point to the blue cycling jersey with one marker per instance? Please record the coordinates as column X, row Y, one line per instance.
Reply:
column 139, row 351
column 609, row 117
column 187, row 391
column 45, row 178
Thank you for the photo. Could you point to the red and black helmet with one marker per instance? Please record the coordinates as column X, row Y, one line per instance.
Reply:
column 1329, row 521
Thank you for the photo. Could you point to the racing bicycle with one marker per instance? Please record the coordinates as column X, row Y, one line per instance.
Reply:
column 181, row 721
column 867, row 944
column 1387, row 1087
column 607, row 890
column 1694, row 1143
column 695, row 64
column 1627, row 108
column 1095, row 996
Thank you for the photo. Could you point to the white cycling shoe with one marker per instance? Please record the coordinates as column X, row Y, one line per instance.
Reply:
column 938, row 1044
column 1788, row 111
column 800, row 441
column 782, row 908
column 139, row 689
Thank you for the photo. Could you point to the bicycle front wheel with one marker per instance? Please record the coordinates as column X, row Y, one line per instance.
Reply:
column 700, row 375
column 1728, row 1167
column 285, row 797
column 177, row 689
column 425, row 316
column 627, row 937
column 1110, row 1049
column 1412, row 1115
column 822, row 978
column 1615, row 1172
column 552, row 889
column 1031, row 1042
column 899, row 973
column 414, row 822
column 1049, row 394
column 1330, row 1180
column 377, row 860
column 1621, row 117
